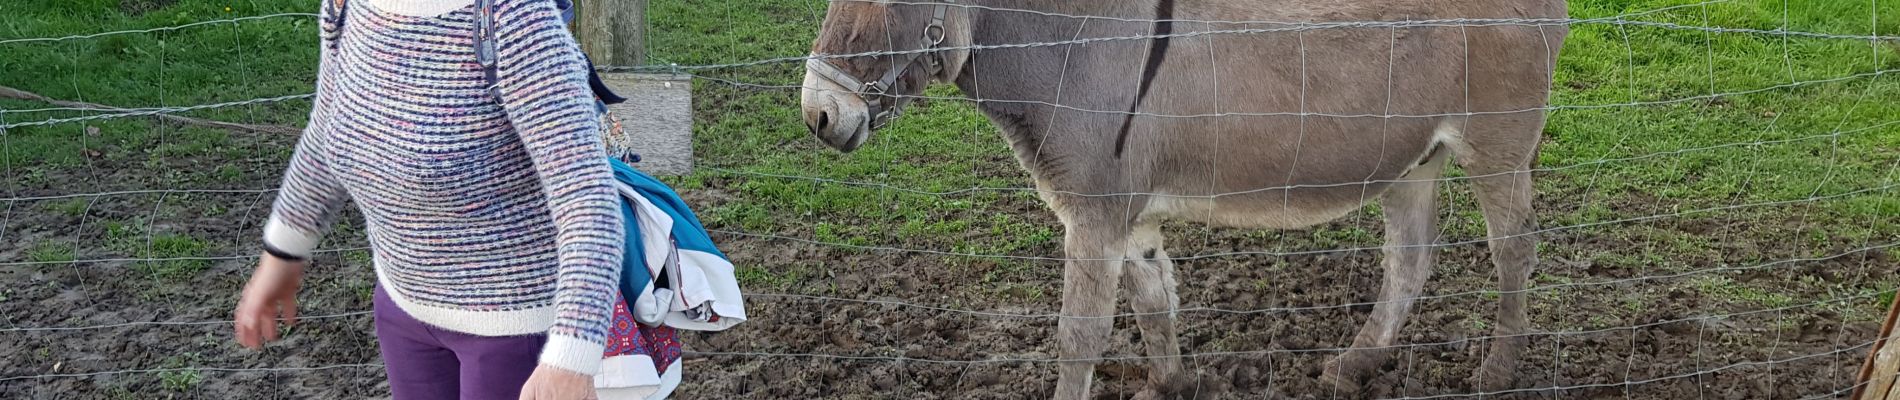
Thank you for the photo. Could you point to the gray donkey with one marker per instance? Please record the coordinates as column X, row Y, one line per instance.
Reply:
column 1249, row 113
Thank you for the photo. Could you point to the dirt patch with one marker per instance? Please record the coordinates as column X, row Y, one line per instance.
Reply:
column 1790, row 354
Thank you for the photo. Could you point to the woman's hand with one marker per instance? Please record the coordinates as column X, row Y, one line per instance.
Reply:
column 552, row 383
column 270, row 295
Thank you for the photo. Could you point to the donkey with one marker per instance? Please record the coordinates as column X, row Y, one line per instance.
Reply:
column 1245, row 113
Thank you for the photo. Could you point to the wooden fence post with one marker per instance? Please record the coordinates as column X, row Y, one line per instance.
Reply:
column 658, row 113
column 1878, row 373
column 612, row 32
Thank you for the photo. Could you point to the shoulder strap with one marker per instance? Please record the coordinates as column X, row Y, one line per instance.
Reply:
column 485, row 50
column 485, row 44
column 338, row 9
column 567, row 10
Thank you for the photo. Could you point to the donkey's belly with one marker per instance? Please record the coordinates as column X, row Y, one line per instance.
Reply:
column 1274, row 209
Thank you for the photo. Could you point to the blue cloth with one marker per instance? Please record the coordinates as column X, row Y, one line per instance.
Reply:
column 688, row 233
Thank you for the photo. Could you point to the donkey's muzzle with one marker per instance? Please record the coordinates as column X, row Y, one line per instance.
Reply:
column 834, row 114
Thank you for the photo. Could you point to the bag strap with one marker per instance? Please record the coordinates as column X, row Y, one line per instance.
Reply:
column 485, row 44
column 486, row 54
column 336, row 9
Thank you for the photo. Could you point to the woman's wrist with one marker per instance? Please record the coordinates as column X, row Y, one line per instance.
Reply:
column 284, row 256
column 572, row 354
column 288, row 242
column 273, row 263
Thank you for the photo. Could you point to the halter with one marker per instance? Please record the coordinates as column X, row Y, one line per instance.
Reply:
column 883, row 106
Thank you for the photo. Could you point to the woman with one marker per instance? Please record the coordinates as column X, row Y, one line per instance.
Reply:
column 495, row 229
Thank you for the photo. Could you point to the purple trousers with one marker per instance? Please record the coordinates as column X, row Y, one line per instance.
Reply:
column 429, row 363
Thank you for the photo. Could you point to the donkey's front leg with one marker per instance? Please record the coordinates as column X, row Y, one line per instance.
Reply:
column 1088, row 297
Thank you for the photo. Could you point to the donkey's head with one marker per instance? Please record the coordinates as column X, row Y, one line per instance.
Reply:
column 872, row 57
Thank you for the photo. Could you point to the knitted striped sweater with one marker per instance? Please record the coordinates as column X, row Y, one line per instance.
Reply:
column 488, row 216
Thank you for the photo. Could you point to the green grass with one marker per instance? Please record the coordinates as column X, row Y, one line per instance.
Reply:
column 946, row 145
column 180, row 380
column 174, row 251
column 1723, row 288
column 176, row 246
column 47, row 252
column 208, row 64
column 69, row 208
column 780, row 277
column 177, row 379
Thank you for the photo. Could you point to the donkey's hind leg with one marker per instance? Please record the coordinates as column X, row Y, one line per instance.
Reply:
column 1151, row 289
column 1505, row 198
column 1411, row 227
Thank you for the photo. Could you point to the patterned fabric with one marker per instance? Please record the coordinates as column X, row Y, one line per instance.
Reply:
column 489, row 217
column 629, row 337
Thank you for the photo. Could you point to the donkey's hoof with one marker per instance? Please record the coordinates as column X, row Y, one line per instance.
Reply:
column 1150, row 394
column 1499, row 371
column 1338, row 383
column 1346, row 371
column 1494, row 376
column 1341, row 374
column 1488, row 381
column 1184, row 387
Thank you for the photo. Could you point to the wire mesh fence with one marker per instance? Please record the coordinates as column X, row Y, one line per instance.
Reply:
column 1715, row 189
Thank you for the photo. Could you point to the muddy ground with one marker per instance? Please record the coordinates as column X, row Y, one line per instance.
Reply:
column 1803, row 349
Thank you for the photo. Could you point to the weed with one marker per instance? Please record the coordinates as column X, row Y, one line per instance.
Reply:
column 50, row 252
column 757, row 277
column 179, row 380
column 178, row 250
column 1727, row 290
column 69, row 207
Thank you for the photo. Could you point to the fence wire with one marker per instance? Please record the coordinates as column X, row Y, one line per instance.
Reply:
column 155, row 30
column 1621, row 22
column 1533, row 233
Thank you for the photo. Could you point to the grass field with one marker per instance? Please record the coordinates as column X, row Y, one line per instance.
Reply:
column 1752, row 151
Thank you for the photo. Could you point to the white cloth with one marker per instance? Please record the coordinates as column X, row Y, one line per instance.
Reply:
column 657, row 388
column 700, row 280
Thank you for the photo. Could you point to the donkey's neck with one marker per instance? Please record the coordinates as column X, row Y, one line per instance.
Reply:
column 1061, row 71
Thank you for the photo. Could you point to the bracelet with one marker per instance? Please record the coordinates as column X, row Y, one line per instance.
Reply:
column 281, row 254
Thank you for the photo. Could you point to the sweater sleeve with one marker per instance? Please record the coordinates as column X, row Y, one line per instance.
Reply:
column 543, row 86
column 310, row 196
